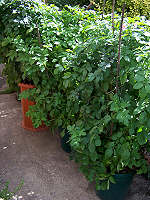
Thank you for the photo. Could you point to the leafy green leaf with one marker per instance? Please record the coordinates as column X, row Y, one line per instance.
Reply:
column 112, row 180
column 91, row 147
column 138, row 85
column 124, row 151
column 98, row 142
column 142, row 139
column 108, row 153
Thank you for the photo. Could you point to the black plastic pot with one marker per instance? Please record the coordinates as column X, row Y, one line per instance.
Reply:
column 65, row 141
column 119, row 190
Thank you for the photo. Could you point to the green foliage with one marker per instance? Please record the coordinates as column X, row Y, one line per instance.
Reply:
column 92, row 67
column 71, row 56
column 62, row 3
column 5, row 194
column 133, row 7
column 12, row 24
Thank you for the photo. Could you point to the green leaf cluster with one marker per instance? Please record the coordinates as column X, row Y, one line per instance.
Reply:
column 133, row 7
column 5, row 194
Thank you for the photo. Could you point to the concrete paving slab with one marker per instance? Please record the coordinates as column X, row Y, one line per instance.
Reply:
column 38, row 160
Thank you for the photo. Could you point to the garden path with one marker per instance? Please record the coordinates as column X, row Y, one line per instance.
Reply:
column 38, row 160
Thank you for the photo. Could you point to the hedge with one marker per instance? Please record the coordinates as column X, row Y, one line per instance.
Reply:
column 133, row 7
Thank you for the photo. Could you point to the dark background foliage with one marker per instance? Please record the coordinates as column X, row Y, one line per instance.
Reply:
column 62, row 3
column 133, row 7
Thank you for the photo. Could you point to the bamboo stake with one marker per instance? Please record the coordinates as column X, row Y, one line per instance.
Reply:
column 103, row 8
column 113, row 10
column 39, row 36
column 119, row 49
column 89, row 6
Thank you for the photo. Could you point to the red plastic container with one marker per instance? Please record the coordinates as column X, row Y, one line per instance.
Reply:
column 27, row 123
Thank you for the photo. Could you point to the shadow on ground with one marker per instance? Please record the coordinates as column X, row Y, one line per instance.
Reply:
column 2, row 79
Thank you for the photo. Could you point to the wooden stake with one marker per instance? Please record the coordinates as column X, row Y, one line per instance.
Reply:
column 89, row 6
column 113, row 11
column 113, row 28
column 38, row 35
column 103, row 9
column 119, row 49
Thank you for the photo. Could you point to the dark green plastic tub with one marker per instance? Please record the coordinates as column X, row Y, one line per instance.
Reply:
column 65, row 142
column 119, row 190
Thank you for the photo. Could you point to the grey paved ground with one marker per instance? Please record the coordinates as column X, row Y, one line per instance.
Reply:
column 38, row 159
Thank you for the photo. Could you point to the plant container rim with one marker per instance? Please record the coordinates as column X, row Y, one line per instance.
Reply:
column 26, row 85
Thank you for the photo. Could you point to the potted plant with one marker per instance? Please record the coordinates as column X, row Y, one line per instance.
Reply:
column 64, row 139
column 112, row 128
column 16, row 41
column 26, row 104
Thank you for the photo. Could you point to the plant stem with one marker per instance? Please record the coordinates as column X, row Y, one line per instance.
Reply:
column 113, row 10
column 111, row 128
column 89, row 6
column 103, row 9
column 119, row 49
column 39, row 36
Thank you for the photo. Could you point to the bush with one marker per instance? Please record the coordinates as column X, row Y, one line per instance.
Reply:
column 14, row 25
column 111, row 131
column 133, row 7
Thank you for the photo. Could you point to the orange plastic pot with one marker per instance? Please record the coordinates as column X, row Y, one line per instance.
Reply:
column 27, row 122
